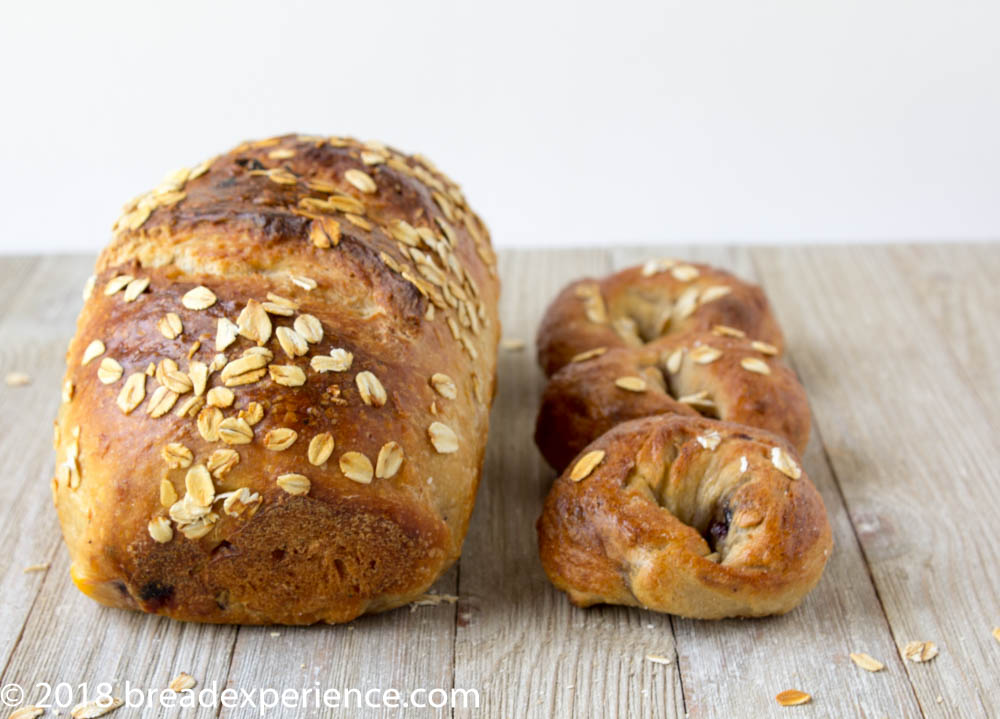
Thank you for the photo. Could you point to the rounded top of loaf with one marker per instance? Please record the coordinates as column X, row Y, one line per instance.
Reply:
column 276, row 402
column 295, row 191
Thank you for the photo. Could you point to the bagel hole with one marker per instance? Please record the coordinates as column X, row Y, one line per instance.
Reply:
column 655, row 376
column 707, row 508
column 701, row 401
column 711, row 411
column 628, row 331
column 642, row 317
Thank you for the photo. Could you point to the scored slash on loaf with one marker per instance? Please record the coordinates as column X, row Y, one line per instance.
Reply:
column 277, row 349
column 675, row 426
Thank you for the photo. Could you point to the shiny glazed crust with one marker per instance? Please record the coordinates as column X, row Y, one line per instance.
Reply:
column 641, row 304
column 644, row 528
column 588, row 397
column 675, row 426
column 276, row 402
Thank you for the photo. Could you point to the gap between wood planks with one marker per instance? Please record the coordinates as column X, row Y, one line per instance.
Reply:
column 896, row 660
column 713, row 644
column 957, row 277
column 41, row 322
column 463, row 639
column 545, row 658
column 910, row 434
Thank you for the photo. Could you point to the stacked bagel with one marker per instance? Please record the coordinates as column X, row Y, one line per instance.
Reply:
column 677, row 431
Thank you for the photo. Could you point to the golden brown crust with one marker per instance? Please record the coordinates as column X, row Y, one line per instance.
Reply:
column 659, row 507
column 641, row 304
column 389, row 268
column 588, row 397
column 666, row 523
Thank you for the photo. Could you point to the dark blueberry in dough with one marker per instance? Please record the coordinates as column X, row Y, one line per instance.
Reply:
column 718, row 529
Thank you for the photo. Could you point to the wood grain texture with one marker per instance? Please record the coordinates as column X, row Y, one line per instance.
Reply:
column 736, row 667
column 519, row 641
column 958, row 288
column 50, row 632
column 17, row 547
column 899, row 353
column 911, row 447
column 407, row 649
column 35, row 326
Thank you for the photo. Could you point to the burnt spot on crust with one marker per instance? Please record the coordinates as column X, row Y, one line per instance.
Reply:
column 280, row 225
column 155, row 594
column 249, row 163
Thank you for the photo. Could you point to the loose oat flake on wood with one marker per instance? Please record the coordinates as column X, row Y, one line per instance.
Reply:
column 867, row 662
column 29, row 712
column 793, row 697
column 17, row 379
column 96, row 708
column 182, row 682
column 920, row 651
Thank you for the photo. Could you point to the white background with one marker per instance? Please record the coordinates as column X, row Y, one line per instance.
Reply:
column 566, row 123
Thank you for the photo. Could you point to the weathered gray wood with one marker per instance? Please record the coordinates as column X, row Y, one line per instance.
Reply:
column 898, row 351
column 50, row 632
column 406, row 649
column 959, row 289
column 34, row 327
column 911, row 446
column 519, row 641
column 736, row 667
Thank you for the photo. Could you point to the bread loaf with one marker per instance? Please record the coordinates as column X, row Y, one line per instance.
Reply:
column 276, row 403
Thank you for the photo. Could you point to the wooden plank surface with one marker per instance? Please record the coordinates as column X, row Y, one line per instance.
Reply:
column 519, row 641
column 19, row 548
column 406, row 649
column 910, row 444
column 51, row 632
column 736, row 667
column 959, row 291
column 900, row 356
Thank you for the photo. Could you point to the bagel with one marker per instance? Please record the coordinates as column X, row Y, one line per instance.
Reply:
column 676, row 427
column 662, row 298
column 712, row 373
column 686, row 515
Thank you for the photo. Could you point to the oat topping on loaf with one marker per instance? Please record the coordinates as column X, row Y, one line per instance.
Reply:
column 236, row 297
